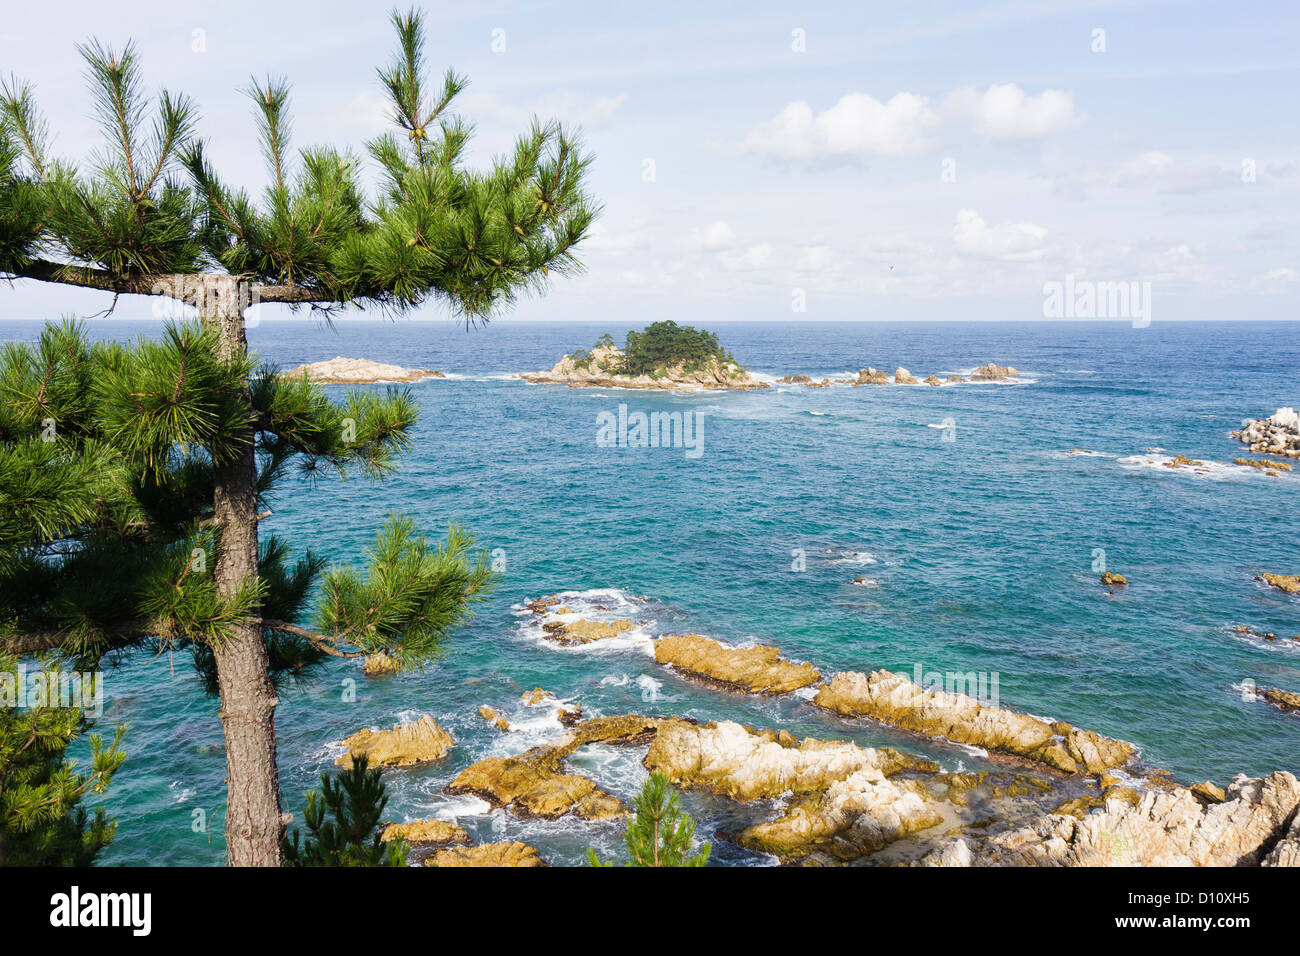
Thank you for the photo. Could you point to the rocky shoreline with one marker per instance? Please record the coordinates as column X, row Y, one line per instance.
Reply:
column 1057, row 795
column 984, row 374
column 593, row 370
column 1279, row 434
column 354, row 371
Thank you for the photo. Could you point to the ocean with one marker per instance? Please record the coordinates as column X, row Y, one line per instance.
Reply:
column 966, row 505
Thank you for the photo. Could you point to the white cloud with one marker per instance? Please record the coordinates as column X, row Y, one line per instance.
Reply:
column 755, row 257
column 1150, row 167
column 601, row 239
column 858, row 124
column 714, row 237
column 1012, row 241
column 1275, row 280
column 1005, row 113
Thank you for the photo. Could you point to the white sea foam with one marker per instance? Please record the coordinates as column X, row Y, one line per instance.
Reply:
column 1211, row 470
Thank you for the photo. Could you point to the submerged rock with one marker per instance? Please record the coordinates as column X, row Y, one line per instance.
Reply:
column 494, row 718
column 759, row 669
column 423, row 832
column 1263, row 464
column 488, row 854
column 405, row 745
column 582, row 631
column 1284, row 699
column 351, row 371
column 895, row 700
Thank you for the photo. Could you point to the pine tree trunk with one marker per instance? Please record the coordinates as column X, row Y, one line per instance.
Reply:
column 254, row 823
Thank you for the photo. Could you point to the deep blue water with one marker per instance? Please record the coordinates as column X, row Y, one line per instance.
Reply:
column 983, row 546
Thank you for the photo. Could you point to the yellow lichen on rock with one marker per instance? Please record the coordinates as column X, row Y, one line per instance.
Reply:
column 1290, row 583
column 759, row 669
column 895, row 700
column 430, row 831
column 488, row 854
column 493, row 718
column 583, row 631
column 405, row 745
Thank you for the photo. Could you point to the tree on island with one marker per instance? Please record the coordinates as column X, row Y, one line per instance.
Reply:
column 132, row 479
column 660, row 834
column 659, row 346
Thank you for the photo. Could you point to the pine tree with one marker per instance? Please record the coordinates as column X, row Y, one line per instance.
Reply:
column 134, row 478
column 42, row 820
column 659, row 834
column 355, row 799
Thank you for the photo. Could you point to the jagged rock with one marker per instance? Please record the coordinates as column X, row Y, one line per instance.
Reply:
column 350, row 371
column 1290, row 583
column 405, row 745
column 1111, row 579
column 493, row 718
column 1287, row 850
column 871, row 376
column 569, row 717
column 600, row 369
column 866, row 582
column 993, row 373
column 1279, row 434
column 540, row 605
column 933, row 380
column 376, row 665
column 955, row 378
column 795, row 380
column 742, row 764
column 488, row 854
column 759, row 669
column 430, row 831
column 1263, row 464
column 583, row 631
column 1288, row 701
column 534, row 784
column 1182, row 461
column 535, row 696
column 903, row 377
column 1209, row 791
column 895, row 700
column 1170, row 828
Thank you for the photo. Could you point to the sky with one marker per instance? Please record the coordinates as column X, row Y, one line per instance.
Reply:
column 913, row 161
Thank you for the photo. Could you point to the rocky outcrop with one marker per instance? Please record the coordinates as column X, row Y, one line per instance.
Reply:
column 495, row 719
column 933, row 380
column 994, row 373
column 488, row 854
column 569, row 633
column 1111, row 579
column 424, row 832
column 1279, row 434
column 1182, row 461
column 1263, row 464
column 895, row 700
column 405, row 745
column 351, row 371
column 744, row 764
column 758, row 670
column 872, row 376
column 1253, row 825
column 1284, row 699
column 599, row 368
column 534, row 784
column 903, row 377
column 1290, row 583
column 537, row 695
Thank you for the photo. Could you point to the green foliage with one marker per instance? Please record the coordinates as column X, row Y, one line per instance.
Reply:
column 665, row 344
column 660, row 834
column 152, row 204
column 343, row 823
column 42, row 819
column 107, row 454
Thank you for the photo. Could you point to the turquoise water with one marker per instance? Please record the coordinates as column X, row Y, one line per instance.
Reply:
column 983, row 547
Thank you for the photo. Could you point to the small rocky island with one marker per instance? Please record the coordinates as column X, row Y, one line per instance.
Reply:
column 1279, row 434
column 664, row 355
column 991, row 372
column 353, row 371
